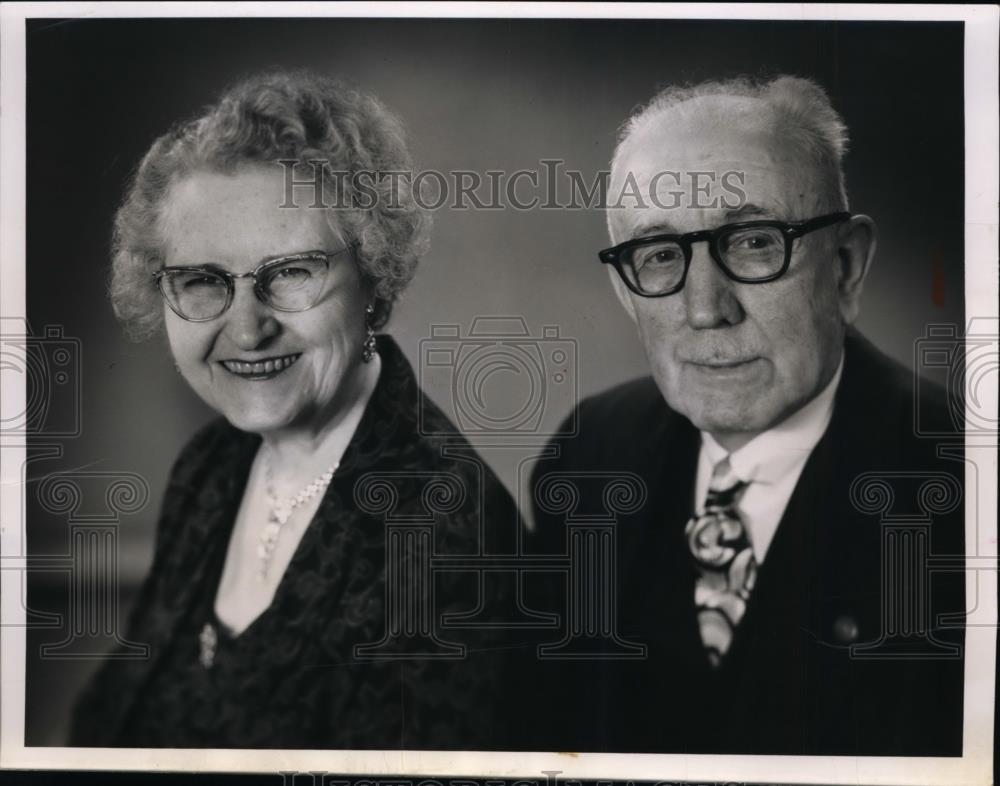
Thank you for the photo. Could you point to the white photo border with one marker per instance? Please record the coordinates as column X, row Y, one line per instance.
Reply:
column 981, row 241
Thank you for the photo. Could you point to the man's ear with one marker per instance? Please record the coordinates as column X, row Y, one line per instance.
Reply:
column 624, row 296
column 855, row 251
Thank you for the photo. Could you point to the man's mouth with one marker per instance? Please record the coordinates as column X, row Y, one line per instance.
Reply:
column 265, row 368
column 723, row 363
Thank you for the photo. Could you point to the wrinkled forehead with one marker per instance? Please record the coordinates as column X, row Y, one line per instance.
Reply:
column 699, row 161
column 238, row 217
column 702, row 127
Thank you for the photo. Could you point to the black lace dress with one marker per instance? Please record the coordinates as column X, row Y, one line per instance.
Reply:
column 324, row 666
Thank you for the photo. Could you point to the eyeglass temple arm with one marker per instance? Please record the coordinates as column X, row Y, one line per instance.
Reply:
column 818, row 223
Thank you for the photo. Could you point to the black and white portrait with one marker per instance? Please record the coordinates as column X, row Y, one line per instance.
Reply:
column 436, row 389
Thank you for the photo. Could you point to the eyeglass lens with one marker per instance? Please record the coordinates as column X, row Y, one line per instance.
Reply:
column 204, row 294
column 751, row 253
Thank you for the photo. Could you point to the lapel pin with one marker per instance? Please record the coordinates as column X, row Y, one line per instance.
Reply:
column 845, row 629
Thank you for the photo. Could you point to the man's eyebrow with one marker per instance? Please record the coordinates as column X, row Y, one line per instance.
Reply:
column 746, row 212
column 749, row 211
column 657, row 228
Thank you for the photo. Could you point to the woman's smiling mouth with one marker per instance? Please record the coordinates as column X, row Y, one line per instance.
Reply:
column 259, row 369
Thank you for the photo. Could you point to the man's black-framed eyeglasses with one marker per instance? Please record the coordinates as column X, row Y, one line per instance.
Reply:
column 289, row 283
column 750, row 252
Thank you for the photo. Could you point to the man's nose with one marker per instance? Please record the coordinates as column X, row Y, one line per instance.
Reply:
column 709, row 295
column 250, row 323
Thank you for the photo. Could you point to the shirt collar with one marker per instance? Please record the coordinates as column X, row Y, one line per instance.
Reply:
column 770, row 455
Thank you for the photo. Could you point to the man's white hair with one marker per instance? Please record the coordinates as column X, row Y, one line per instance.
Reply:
column 798, row 109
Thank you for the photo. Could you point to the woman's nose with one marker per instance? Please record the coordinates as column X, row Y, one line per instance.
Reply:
column 710, row 298
column 249, row 322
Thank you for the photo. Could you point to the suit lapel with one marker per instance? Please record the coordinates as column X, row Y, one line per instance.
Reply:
column 768, row 638
column 661, row 572
column 803, row 586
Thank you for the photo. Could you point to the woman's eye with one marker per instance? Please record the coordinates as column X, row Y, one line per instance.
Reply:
column 292, row 273
column 201, row 282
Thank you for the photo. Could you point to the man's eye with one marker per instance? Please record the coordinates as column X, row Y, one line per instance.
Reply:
column 752, row 242
column 659, row 256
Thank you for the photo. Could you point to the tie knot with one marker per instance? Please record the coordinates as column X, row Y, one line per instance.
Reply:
column 724, row 488
column 723, row 476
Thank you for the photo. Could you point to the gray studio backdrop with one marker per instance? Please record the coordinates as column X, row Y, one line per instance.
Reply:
column 475, row 95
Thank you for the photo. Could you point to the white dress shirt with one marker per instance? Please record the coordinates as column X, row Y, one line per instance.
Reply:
column 771, row 464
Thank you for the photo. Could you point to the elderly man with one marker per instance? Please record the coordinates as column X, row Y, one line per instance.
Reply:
column 751, row 576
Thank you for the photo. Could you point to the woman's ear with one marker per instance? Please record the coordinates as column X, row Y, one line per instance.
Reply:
column 855, row 250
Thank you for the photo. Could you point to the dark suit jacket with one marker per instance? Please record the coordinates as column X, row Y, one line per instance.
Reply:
column 790, row 683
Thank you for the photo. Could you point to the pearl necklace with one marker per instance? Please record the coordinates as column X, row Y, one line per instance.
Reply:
column 281, row 510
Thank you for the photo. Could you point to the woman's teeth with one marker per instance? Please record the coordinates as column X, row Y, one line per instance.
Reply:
column 260, row 367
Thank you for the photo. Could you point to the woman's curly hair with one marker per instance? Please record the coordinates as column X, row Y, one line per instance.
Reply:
column 280, row 116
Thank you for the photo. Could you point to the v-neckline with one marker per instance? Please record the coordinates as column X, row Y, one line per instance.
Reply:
column 301, row 549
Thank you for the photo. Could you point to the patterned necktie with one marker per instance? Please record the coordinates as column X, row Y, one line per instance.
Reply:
column 727, row 568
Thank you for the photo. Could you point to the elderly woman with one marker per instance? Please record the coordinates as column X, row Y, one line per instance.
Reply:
column 275, row 614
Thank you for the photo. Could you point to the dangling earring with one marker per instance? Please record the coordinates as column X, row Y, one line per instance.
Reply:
column 369, row 350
